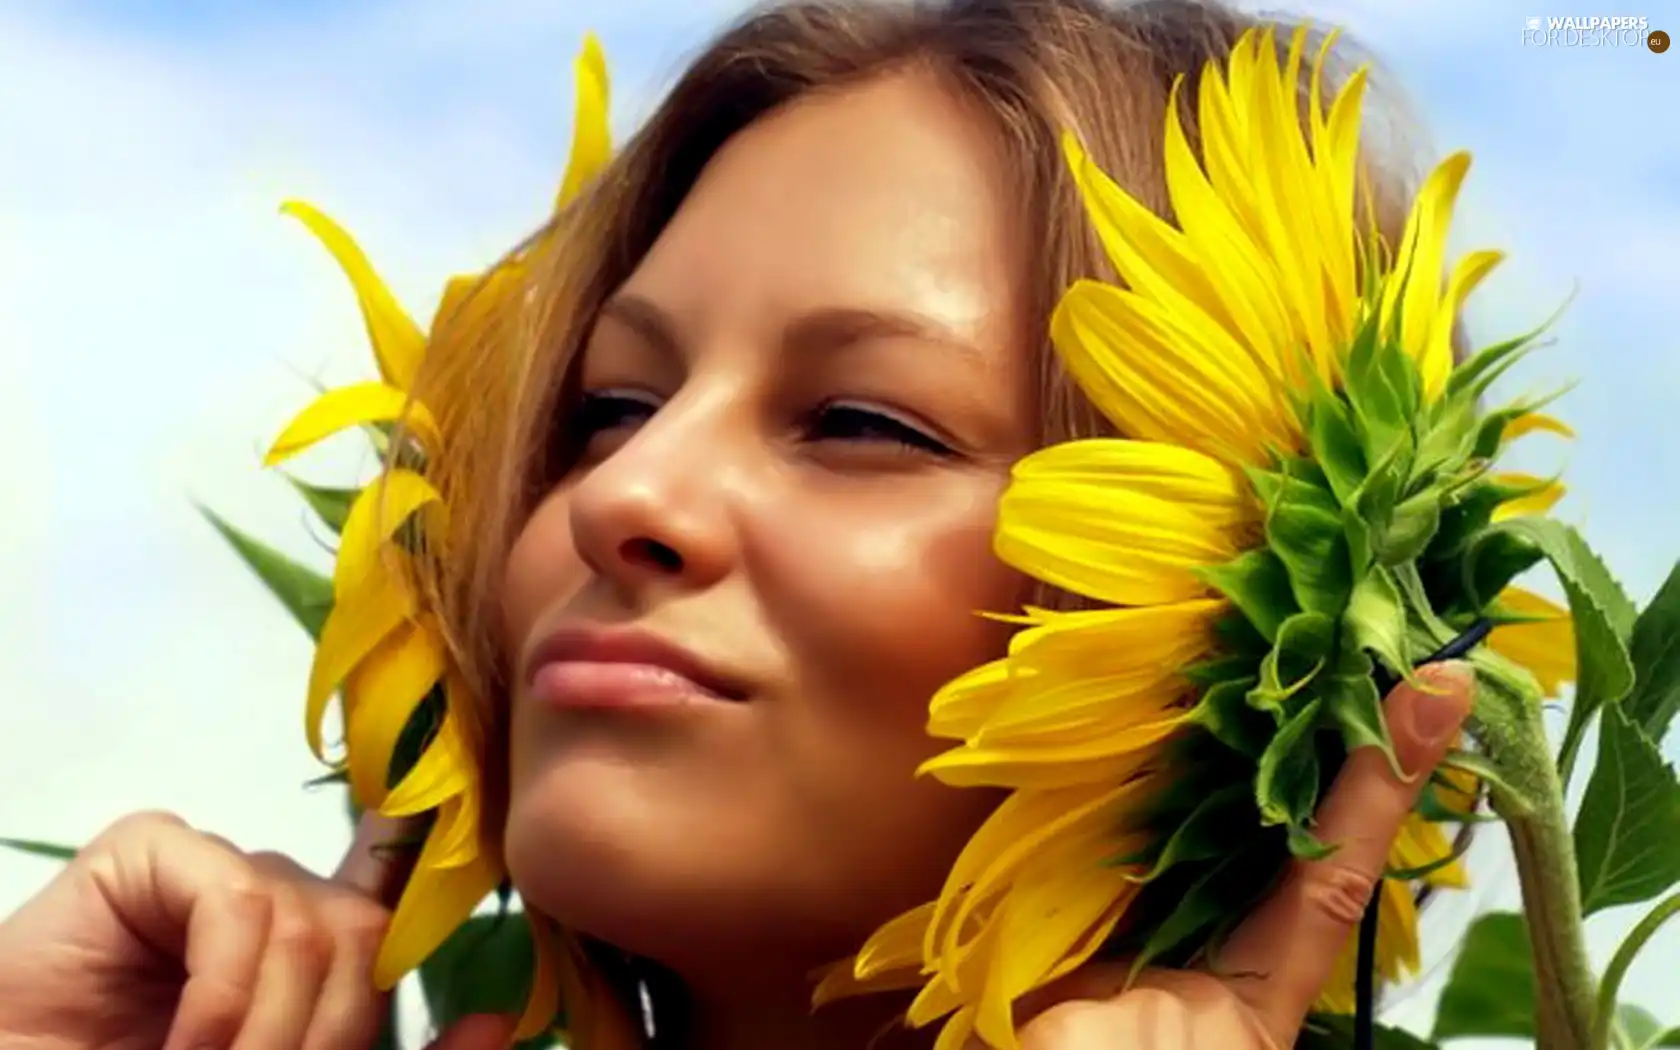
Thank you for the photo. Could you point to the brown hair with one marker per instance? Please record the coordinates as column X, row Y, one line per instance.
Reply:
column 1034, row 67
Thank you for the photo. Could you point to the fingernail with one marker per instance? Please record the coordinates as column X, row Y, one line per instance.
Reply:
column 1438, row 709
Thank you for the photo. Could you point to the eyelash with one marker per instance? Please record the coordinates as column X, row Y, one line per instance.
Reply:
column 831, row 421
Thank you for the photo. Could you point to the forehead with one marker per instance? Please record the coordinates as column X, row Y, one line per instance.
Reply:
column 890, row 194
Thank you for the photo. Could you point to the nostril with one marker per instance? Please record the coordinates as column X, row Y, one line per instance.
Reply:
column 651, row 554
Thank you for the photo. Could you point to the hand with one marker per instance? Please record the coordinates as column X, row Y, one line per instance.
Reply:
column 158, row 935
column 1289, row 945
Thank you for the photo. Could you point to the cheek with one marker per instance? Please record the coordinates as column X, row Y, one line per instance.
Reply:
column 543, row 569
column 880, row 603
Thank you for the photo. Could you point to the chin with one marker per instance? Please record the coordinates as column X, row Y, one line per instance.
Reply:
column 665, row 878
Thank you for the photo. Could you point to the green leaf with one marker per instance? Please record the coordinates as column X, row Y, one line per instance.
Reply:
column 1490, row 433
column 485, row 966
column 1626, row 840
column 1203, row 835
column 1193, row 912
column 1356, row 706
column 1336, row 445
column 1304, row 529
column 1386, row 481
column 1603, row 617
column 1303, row 643
column 1638, row 1029
column 1376, row 618
column 1494, row 559
column 1655, row 651
column 1286, row 783
column 1463, row 517
column 1335, row 1032
column 37, row 848
column 305, row 593
column 1481, row 369
column 1446, row 442
column 1413, row 525
column 1257, row 583
column 1491, row 989
column 332, row 506
column 1225, row 712
column 1481, row 767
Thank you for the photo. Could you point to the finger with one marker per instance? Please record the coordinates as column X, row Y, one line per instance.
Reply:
column 376, row 864
column 193, row 899
column 1159, row 1010
column 477, row 1032
column 350, row 1010
column 1281, row 956
column 294, row 965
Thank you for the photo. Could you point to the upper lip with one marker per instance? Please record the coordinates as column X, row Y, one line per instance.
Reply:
column 596, row 643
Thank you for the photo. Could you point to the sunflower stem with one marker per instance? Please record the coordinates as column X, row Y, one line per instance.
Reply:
column 1610, row 991
column 1532, row 807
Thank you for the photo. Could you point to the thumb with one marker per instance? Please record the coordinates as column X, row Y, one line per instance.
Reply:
column 477, row 1032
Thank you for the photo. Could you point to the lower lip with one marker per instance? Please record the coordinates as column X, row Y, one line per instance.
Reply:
column 590, row 685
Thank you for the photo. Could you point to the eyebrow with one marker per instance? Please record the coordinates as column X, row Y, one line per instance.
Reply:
column 826, row 328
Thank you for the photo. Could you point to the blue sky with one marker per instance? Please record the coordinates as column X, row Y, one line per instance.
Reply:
column 158, row 320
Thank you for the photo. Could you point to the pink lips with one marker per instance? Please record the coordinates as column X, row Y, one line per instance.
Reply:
column 599, row 668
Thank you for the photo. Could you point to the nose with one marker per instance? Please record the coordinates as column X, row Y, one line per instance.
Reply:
column 658, row 511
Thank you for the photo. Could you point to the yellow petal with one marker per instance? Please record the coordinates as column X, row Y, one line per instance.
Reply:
column 471, row 302
column 377, row 513
column 1115, row 755
column 1167, row 376
column 591, row 133
column 837, row 982
column 1289, row 201
column 1545, row 646
column 1542, row 494
column 1006, row 843
column 1100, row 642
column 348, row 406
column 1033, row 895
column 958, row 1033
column 1224, row 153
column 1110, row 543
column 1216, row 493
column 442, row 773
column 1413, row 294
column 1336, row 155
column 398, row 343
column 458, row 826
column 1436, row 362
column 1242, row 277
column 436, row 901
column 1056, row 711
column 1152, row 257
column 1051, row 923
column 360, row 620
column 963, row 704
column 891, row 960
column 380, row 695
column 1458, row 791
column 1532, row 422
column 1421, row 843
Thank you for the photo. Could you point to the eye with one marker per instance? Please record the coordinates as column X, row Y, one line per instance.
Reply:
column 600, row 415
column 842, row 421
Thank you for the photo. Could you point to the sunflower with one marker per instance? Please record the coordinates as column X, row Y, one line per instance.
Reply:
column 1299, row 499
column 379, row 649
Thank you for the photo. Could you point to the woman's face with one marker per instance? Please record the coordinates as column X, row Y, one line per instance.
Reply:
column 799, row 413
